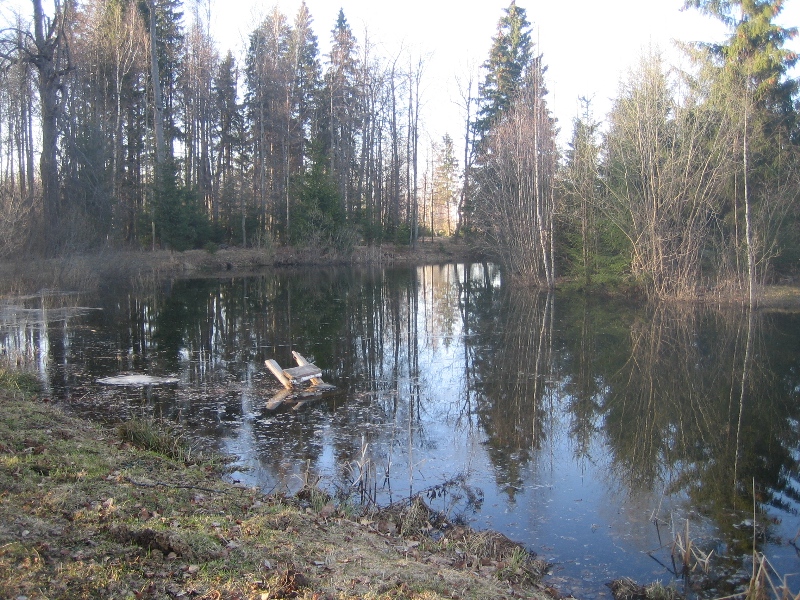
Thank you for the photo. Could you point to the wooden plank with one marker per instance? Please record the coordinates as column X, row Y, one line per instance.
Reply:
column 278, row 399
column 303, row 373
column 301, row 361
column 278, row 372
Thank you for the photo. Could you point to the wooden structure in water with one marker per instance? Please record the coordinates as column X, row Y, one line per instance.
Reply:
column 289, row 378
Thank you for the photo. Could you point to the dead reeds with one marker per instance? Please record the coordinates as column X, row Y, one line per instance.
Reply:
column 765, row 583
column 688, row 554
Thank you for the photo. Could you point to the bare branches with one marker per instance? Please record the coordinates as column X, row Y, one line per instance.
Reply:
column 15, row 44
column 517, row 197
column 665, row 163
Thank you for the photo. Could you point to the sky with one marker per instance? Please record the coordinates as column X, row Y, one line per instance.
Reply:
column 588, row 45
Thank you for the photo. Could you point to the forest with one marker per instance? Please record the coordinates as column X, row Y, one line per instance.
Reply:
column 123, row 124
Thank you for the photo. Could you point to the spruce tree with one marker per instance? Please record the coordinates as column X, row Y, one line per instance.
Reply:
column 169, row 44
column 268, row 75
column 341, row 97
column 445, row 188
column 752, row 70
column 509, row 57
column 307, row 78
column 582, row 191
column 755, row 48
column 229, row 137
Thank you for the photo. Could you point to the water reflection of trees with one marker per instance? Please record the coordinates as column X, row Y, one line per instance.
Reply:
column 691, row 400
column 512, row 375
column 697, row 401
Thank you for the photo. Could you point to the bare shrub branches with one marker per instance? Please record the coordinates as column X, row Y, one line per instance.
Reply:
column 517, row 194
column 667, row 153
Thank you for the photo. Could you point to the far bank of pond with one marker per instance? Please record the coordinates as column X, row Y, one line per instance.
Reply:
column 592, row 431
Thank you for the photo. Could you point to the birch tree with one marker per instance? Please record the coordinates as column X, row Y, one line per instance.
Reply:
column 514, row 206
column 515, row 209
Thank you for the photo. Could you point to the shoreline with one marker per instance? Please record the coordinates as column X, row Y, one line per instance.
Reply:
column 85, row 512
column 90, row 272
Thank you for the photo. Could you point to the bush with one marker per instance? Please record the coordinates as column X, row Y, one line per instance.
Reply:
column 180, row 222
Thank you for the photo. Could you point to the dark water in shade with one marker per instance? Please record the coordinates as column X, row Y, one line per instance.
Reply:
column 589, row 430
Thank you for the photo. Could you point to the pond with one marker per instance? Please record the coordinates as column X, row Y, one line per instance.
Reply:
column 593, row 431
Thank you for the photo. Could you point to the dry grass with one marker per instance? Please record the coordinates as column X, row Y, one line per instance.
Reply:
column 773, row 297
column 765, row 583
column 89, row 272
column 162, row 438
column 685, row 549
column 781, row 297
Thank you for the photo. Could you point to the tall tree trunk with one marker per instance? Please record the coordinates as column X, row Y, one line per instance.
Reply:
column 158, row 103
column 50, row 51
column 747, row 218
column 463, row 219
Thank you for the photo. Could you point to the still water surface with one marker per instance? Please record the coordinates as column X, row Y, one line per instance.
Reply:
column 589, row 430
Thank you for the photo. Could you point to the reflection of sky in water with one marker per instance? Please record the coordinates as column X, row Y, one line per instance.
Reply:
column 424, row 412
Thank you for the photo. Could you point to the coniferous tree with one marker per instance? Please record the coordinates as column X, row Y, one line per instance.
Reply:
column 582, row 190
column 509, row 58
column 198, row 117
column 170, row 46
column 179, row 219
column 229, row 138
column 307, row 82
column 755, row 49
column 343, row 111
column 514, row 196
column 445, row 188
column 753, row 65
column 268, row 74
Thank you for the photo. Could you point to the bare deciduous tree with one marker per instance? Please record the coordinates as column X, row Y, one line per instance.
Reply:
column 46, row 48
column 516, row 207
column 666, row 153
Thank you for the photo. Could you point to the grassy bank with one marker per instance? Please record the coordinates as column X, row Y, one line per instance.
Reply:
column 86, row 512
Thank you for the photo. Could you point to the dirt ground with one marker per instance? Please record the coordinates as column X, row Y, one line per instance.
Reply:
column 87, row 513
